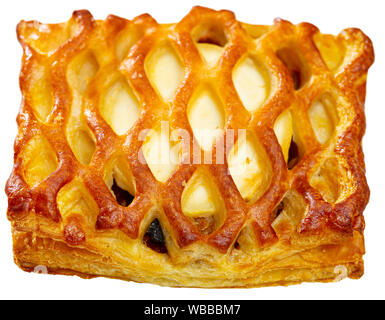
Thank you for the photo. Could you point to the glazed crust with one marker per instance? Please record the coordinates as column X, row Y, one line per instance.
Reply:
column 316, row 237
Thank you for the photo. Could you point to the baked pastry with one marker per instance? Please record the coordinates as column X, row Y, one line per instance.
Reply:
column 207, row 153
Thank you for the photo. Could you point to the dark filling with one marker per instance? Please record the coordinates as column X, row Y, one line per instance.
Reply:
column 296, row 75
column 293, row 63
column 210, row 40
column 277, row 211
column 123, row 197
column 213, row 35
column 154, row 238
column 293, row 155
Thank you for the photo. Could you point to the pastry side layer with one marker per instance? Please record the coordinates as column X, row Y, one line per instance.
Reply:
column 87, row 196
column 325, row 264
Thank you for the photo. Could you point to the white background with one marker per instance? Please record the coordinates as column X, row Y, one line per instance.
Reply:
column 331, row 16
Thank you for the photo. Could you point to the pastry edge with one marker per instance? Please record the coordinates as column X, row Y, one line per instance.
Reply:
column 66, row 260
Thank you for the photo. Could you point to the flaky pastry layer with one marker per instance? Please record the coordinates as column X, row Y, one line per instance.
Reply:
column 44, row 255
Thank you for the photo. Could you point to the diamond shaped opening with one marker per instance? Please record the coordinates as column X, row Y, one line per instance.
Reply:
column 41, row 91
column 165, row 70
column 81, row 142
column 283, row 128
column 249, row 167
column 332, row 180
column 81, row 70
column 161, row 154
column 202, row 203
column 206, row 116
column 331, row 48
column 120, row 107
column 119, row 179
column 251, row 82
column 154, row 237
column 211, row 33
column 323, row 118
column 245, row 243
column 288, row 214
column 75, row 199
column 39, row 160
column 210, row 40
column 296, row 65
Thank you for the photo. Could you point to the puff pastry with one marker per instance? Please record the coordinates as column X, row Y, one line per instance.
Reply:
column 89, row 196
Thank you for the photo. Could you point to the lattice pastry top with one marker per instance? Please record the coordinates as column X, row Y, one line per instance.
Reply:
column 206, row 153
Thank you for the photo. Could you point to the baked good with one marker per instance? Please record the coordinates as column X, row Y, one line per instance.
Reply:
column 207, row 153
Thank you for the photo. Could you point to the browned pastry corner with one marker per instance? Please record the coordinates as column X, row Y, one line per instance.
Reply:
column 284, row 203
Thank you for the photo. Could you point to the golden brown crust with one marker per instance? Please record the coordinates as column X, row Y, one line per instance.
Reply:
column 306, row 243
